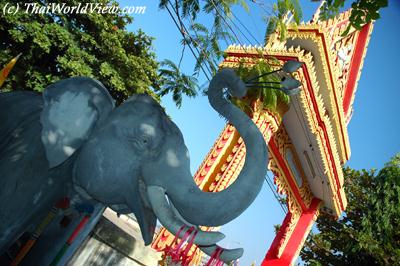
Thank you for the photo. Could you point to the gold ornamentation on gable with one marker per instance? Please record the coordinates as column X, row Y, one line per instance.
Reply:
column 335, row 102
column 293, row 206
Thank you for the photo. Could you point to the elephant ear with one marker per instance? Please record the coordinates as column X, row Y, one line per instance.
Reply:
column 72, row 108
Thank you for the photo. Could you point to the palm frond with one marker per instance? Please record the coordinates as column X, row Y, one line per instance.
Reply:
column 176, row 82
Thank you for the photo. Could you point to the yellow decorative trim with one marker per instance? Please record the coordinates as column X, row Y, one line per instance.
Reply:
column 162, row 239
column 215, row 156
column 293, row 205
column 335, row 105
column 306, row 193
column 307, row 106
column 229, row 171
column 283, row 142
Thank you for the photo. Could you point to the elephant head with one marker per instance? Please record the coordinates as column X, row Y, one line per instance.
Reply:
column 134, row 159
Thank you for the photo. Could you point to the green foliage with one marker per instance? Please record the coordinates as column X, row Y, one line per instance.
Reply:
column 369, row 231
column 363, row 11
column 281, row 10
column 175, row 82
column 270, row 98
column 277, row 227
column 191, row 8
column 208, row 45
column 57, row 46
column 207, row 41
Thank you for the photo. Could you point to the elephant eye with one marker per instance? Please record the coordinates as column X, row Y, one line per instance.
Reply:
column 139, row 140
column 143, row 142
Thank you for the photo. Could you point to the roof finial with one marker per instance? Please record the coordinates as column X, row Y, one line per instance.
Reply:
column 6, row 70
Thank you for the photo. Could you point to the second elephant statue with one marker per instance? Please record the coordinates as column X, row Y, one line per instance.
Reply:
column 132, row 158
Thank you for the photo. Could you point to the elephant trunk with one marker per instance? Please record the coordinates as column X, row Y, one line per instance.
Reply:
column 214, row 209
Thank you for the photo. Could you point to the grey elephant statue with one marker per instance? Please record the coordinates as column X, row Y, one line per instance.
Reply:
column 132, row 158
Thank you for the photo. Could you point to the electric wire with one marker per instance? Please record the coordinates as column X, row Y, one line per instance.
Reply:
column 240, row 31
column 186, row 33
column 257, row 29
column 224, row 38
column 211, row 61
column 227, row 24
column 183, row 35
column 276, row 195
column 262, row 7
column 244, row 26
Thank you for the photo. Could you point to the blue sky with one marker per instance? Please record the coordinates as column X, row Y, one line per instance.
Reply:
column 373, row 130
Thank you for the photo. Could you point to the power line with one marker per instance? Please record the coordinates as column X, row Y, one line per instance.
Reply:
column 186, row 33
column 227, row 24
column 271, row 186
column 224, row 38
column 262, row 7
column 244, row 26
column 183, row 35
column 257, row 29
column 241, row 32
column 211, row 62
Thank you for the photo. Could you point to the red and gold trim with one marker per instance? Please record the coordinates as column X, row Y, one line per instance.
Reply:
column 356, row 65
column 312, row 105
column 294, row 233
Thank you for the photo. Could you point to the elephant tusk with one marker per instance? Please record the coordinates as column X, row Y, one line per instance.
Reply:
column 172, row 222
column 179, row 216
column 227, row 255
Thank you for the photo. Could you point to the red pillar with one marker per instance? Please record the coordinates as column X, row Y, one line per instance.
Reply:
column 296, row 239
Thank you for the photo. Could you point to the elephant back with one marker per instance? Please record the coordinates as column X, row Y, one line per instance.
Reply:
column 15, row 107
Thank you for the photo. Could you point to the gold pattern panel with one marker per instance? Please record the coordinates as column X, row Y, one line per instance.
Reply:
column 267, row 122
column 331, row 76
column 284, row 143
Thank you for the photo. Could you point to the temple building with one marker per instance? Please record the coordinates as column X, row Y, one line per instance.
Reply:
column 308, row 139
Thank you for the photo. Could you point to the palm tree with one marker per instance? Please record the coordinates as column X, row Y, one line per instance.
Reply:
column 175, row 82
